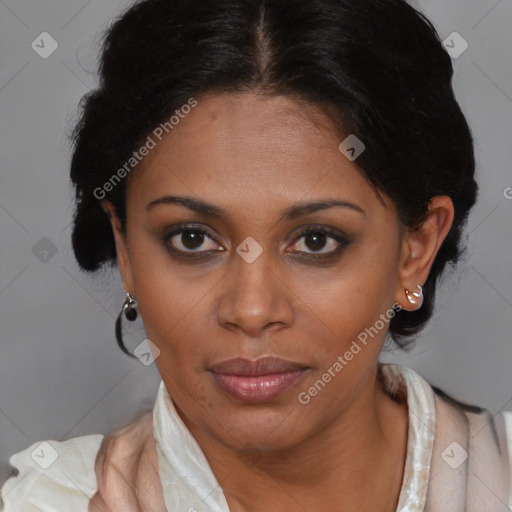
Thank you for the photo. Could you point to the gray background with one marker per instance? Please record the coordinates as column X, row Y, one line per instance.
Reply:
column 61, row 372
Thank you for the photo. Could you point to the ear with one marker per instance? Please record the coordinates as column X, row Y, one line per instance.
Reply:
column 420, row 247
column 123, row 255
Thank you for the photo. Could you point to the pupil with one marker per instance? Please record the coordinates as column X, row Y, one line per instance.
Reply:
column 319, row 240
column 192, row 239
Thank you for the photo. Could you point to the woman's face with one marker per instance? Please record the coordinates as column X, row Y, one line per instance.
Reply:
column 242, row 280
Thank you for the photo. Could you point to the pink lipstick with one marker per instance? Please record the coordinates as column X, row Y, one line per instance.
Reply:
column 256, row 381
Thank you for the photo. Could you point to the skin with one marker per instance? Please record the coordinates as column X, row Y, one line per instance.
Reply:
column 254, row 156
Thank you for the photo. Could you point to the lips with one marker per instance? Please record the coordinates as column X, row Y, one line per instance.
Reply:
column 256, row 381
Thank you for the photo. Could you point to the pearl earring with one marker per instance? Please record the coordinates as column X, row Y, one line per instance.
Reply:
column 415, row 297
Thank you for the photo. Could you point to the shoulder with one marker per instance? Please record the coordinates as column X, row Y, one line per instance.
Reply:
column 488, row 447
column 52, row 474
column 491, row 439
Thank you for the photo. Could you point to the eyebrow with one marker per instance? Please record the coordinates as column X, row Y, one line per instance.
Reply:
column 292, row 212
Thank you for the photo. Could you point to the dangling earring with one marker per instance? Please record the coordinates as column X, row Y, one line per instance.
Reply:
column 415, row 297
column 129, row 309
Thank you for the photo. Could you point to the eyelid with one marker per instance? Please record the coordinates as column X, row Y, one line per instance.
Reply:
column 307, row 228
column 176, row 228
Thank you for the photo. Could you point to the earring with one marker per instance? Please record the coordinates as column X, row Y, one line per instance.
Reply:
column 415, row 297
column 129, row 309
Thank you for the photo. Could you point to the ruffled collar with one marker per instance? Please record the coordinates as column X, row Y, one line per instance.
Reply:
column 189, row 483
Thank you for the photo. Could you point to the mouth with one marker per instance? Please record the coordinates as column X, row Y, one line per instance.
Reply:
column 256, row 381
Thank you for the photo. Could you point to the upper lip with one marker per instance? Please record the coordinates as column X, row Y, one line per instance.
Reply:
column 262, row 366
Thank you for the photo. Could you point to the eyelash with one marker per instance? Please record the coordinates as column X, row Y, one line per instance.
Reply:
column 201, row 255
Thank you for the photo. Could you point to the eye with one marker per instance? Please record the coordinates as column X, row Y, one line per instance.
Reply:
column 194, row 242
column 190, row 239
column 318, row 238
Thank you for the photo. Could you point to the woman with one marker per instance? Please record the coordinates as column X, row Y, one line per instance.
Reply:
column 282, row 184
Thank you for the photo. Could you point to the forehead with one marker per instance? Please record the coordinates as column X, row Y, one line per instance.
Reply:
column 251, row 151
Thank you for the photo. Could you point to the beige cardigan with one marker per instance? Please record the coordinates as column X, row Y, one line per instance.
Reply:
column 457, row 460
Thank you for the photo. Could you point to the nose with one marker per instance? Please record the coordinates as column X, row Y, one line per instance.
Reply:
column 255, row 298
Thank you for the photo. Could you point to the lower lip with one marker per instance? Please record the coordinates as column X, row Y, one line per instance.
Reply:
column 257, row 389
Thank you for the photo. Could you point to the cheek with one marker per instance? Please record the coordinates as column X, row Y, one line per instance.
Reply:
column 170, row 297
column 175, row 317
column 175, row 321
column 352, row 298
column 349, row 332
column 348, row 314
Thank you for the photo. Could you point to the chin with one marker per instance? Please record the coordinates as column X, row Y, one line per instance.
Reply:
column 250, row 428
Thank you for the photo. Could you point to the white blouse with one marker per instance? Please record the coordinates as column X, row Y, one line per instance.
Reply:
column 59, row 476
